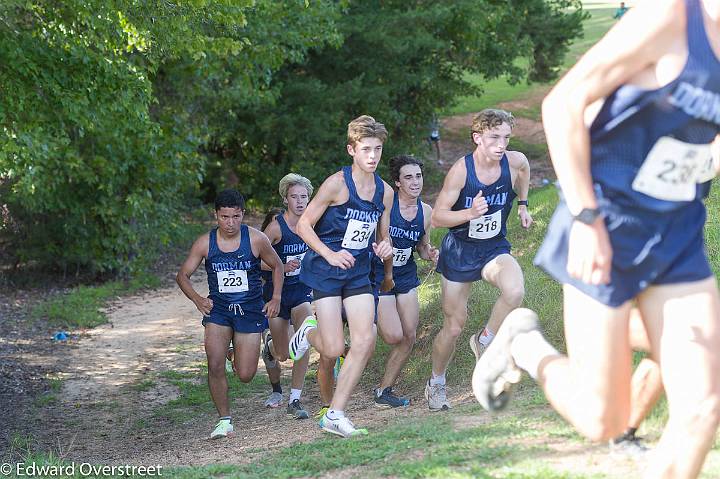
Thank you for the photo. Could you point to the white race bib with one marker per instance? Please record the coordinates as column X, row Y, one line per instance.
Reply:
column 673, row 168
column 485, row 227
column 401, row 256
column 233, row 281
column 357, row 234
column 298, row 257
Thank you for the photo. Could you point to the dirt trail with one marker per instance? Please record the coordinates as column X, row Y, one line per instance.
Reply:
column 102, row 415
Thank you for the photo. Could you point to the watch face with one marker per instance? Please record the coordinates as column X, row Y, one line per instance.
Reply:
column 588, row 216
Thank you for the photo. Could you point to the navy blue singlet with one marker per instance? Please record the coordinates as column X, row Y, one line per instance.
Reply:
column 290, row 246
column 351, row 226
column 233, row 277
column 405, row 236
column 650, row 148
column 489, row 229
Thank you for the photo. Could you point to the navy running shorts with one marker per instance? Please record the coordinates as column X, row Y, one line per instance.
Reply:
column 463, row 261
column 319, row 275
column 649, row 248
column 242, row 317
column 293, row 295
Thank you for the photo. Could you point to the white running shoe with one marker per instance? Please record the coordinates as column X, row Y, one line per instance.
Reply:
column 341, row 426
column 223, row 428
column 274, row 400
column 299, row 343
column 495, row 373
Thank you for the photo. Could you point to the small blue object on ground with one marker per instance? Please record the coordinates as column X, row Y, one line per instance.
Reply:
column 60, row 336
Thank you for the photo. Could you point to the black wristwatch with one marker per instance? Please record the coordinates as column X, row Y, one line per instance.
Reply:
column 522, row 202
column 588, row 215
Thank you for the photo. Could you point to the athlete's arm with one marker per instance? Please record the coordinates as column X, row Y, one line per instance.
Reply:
column 635, row 43
column 198, row 252
column 520, row 164
column 383, row 249
column 632, row 46
column 442, row 215
column 274, row 234
column 329, row 192
column 263, row 249
column 424, row 248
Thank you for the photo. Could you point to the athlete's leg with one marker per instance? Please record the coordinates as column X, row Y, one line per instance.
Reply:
column 682, row 324
column 389, row 326
column 590, row 386
column 409, row 315
column 504, row 273
column 646, row 386
column 279, row 330
column 272, row 364
column 360, row 311
column 326, row 379
column 217, row 340
column 247, row 353
column 454, row 304
column 299, row 313
column 328, row 338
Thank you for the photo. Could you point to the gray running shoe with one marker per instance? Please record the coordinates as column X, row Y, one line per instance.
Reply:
column 628, row 445
column 477, row 347
column 296, row 410
column 436, row 396
column 495, row 373
column 274, row 400
column 267, row 357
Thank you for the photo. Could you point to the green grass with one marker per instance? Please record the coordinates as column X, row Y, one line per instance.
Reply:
column 82, row 307
column 499, row 90
column 194, row 395
column 410, row 448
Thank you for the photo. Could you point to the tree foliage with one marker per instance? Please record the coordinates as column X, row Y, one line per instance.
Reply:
column 114, row 112
column 399, row 61
column 103, row 112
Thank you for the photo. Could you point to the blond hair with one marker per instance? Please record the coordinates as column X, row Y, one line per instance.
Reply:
column 489, row 119
column 292, row 179
column 365, row 126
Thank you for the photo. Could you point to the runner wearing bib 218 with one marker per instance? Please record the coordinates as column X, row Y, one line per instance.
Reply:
column 475, row 203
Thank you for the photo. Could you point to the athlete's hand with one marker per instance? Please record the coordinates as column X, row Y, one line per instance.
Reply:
column 272, row 308
column 589, row 252
column 479, row 206
column 383, row 249
column 525, row 218
column 433, row 254
column 387, row 285
column 342, row 259
column 204, row 305
column 292, row 265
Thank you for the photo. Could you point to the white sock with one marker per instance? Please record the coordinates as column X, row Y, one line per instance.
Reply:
column 334, row 414
column 486, row 337
column 437, row 380
column 294, row 394
column 529, row 349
